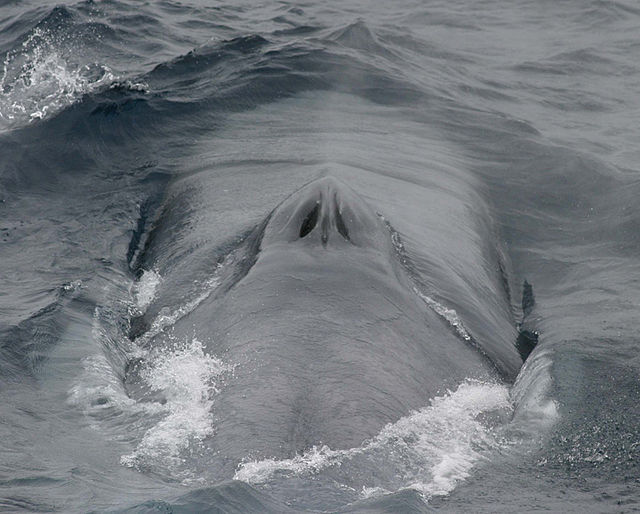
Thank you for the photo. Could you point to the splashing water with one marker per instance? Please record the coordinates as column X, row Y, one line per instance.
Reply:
column 144, row 290
column 169, row 425
column 40, row 78
column 449, row 315
column 430, row 450
column 188, row 378
column 167, row 318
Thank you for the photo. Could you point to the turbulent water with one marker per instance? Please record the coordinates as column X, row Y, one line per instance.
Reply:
column 531, row 105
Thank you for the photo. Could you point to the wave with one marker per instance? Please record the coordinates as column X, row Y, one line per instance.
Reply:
column 430, row 450
column 188, row 379
column 52, row 66
column 63, row 61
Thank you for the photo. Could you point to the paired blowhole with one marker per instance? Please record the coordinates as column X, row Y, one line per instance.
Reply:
column 323, row 217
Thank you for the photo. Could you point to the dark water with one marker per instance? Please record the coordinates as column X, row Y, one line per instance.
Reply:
column 108, row 110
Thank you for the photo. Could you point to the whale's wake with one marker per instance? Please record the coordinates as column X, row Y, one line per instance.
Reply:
column 430, row 450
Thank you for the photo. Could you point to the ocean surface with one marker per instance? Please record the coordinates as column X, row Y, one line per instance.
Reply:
column 109, row 109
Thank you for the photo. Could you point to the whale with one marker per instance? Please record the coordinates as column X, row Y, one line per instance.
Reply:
column 319, row 311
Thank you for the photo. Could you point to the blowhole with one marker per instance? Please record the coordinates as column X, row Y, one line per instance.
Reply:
column 310, row 221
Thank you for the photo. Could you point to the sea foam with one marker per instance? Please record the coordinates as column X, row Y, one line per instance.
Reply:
column 430, row 450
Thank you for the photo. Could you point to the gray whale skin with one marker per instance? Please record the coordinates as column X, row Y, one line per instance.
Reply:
column 328, row 337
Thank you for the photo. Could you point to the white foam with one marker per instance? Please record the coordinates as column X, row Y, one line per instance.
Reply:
column 312, row 461
column 449, row 315
column 144, row 290
column 167, row 318
column 187, row 378
column 430, row 450
column 184, row 375
column 163, row 425
column 373, row 492
column 41, row 77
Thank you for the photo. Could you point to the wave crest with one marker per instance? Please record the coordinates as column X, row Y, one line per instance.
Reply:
column 51, row 69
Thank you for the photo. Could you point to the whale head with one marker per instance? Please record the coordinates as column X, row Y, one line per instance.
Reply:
column 328, row 340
